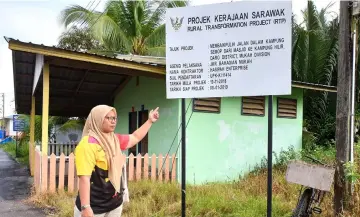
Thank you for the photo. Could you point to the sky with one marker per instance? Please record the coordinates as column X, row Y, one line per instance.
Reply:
column 37, row 21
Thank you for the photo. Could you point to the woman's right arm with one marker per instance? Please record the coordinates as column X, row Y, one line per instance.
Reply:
column 84, row 191
column 85, row 160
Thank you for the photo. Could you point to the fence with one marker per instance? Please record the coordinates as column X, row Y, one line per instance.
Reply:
column 59, row 148
column 53, row 172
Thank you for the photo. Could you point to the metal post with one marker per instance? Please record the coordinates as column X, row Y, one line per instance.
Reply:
column 183, row 158
column 270, row 150
column 16, row 144
column 353, row 100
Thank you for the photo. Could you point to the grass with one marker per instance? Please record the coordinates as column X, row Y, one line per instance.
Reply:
column 156, row 199
column 245, row 197
column 22, row 152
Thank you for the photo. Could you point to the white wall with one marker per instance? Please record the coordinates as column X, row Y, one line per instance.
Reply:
column 9, row 127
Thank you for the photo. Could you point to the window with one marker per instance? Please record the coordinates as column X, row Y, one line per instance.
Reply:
column 207, row 105
column 287, row 108
column 253, row 105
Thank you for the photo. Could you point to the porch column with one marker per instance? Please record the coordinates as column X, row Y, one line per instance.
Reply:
column 45, row 127
column 45, row 111
column 32, row 137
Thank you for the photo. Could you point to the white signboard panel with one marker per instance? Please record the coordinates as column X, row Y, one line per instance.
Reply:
column 229, row 49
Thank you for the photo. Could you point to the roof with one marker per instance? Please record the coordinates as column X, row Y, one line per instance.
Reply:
column 80, row 80
column 311, row 86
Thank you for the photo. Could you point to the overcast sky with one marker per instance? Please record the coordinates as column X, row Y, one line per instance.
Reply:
column 37, row 21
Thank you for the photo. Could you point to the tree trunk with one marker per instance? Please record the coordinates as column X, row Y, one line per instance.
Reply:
column 343, row 108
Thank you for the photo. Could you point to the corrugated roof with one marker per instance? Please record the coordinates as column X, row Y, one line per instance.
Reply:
column 79, row 80
column 146, row 60
column 143, row 59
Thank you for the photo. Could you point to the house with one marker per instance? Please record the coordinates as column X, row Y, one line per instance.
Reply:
column 9, row 130
column 58, row 136
column 225, row 136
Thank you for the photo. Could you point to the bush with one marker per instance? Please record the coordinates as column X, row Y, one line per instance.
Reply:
column 22, row 151
column 280, row 161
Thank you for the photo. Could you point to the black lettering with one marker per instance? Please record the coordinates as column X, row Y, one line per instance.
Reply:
column 197, row 88
column 174, row 71
column 261, row 54
column 175, row 66
column 198, row 20
column 268, row 13
column 175, row 89
column 194, row 28
column 226, row 25
column 231, row 17
column 174, row 48
column 260, row 22
column 186, row 88
column 187, row 47
column 175, row 83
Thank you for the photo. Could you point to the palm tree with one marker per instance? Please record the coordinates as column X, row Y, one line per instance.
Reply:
column 125, row 26
column 315, row 52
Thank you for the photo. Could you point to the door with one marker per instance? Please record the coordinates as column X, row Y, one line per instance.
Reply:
column 143, row 145
column 132, row 128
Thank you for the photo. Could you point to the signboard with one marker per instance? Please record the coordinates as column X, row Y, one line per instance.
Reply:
column 2, row 134
column 229, row 49
column 314, row 176
column 18, row 123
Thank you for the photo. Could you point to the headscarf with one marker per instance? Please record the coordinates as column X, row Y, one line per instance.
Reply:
column 108, row 141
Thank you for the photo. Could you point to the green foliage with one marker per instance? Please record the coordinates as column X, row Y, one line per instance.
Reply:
column 66, row 124
column 22, row 151
column 308, row 139
column 315, row 56
column 351, row 173
column 77, row 39
column 325, row 154
column 280, row 160
column 125, row 26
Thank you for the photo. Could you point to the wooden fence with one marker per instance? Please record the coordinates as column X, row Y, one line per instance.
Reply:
column 59, row 148
column 53, row 172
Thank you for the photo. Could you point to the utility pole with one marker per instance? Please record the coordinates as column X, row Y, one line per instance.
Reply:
column 341, row 186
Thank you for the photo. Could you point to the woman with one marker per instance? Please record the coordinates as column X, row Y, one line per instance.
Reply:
column 100, row 163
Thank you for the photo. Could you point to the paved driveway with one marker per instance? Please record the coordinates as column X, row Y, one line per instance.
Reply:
column 14, row 188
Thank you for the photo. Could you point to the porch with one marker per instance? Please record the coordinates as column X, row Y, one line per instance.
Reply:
column 51, row 81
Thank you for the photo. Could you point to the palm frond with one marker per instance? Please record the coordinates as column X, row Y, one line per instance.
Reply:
column 110, row 34
column 71, row 125
column 300, row 66
column 157, row 15
column 313, row 20
column 157, row 37
column 156, row 51
column 77, row 14
column 323, row 12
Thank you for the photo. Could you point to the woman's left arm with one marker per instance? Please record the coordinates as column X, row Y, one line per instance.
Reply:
column 141, row 132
